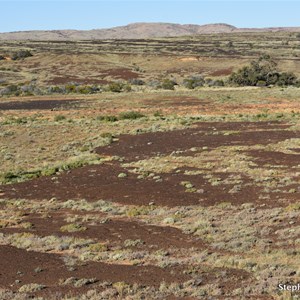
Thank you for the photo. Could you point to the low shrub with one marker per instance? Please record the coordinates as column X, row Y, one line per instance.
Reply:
column 214, row 82
column 286, row 79
column 131, row 115
column 116, row 87
column 21, row 54
column 193, row 82
column 73, row 227
column 168, row 84
column 136, row 81
column 107, row 118
column 154, row 84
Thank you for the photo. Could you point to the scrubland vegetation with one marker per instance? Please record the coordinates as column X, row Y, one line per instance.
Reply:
column 150, row 169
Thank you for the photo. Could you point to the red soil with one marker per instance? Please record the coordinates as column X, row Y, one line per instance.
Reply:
column 222, row 72
column 275, row 158
column 120, row 73
column 38, row 104
column 113, row 232
column 101, row 181
column 70, row 79
column 19, row 264
column 151, row 144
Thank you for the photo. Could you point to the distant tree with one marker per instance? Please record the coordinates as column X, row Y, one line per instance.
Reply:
column 262, row 72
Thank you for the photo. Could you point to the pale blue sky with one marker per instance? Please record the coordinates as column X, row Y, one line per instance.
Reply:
column 68, row 14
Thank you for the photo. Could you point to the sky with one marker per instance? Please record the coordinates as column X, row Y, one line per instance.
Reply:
column 77, row 14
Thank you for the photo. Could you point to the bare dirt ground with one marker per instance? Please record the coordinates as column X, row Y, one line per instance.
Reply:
column 38, row 105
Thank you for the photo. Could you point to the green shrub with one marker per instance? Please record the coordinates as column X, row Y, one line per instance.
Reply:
column 131, row 115
column 85, row 89
column 262, row 72
column 168, row 84
column 9, row 176
column 49, row 171
column 70, row 88
column 20, row 175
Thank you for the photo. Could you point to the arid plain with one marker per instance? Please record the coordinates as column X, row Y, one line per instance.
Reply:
column 135, row 169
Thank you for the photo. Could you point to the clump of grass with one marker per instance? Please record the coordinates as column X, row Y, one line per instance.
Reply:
column 9, row 177
column 189, row 187
column 31, row 287
column 293, row 207
column 139, row 210
column 121, row 287
column 106, row 135
column 73, row 227
column 133, row 243
column 72, row 163
column 77, row 282
column 27, row 225
column 4, row 223
column 158, row 114
column 107, row 118
column 98, row 247
column 59, row 118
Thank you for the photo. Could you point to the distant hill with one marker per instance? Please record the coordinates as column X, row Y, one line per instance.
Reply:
column 135, row 31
